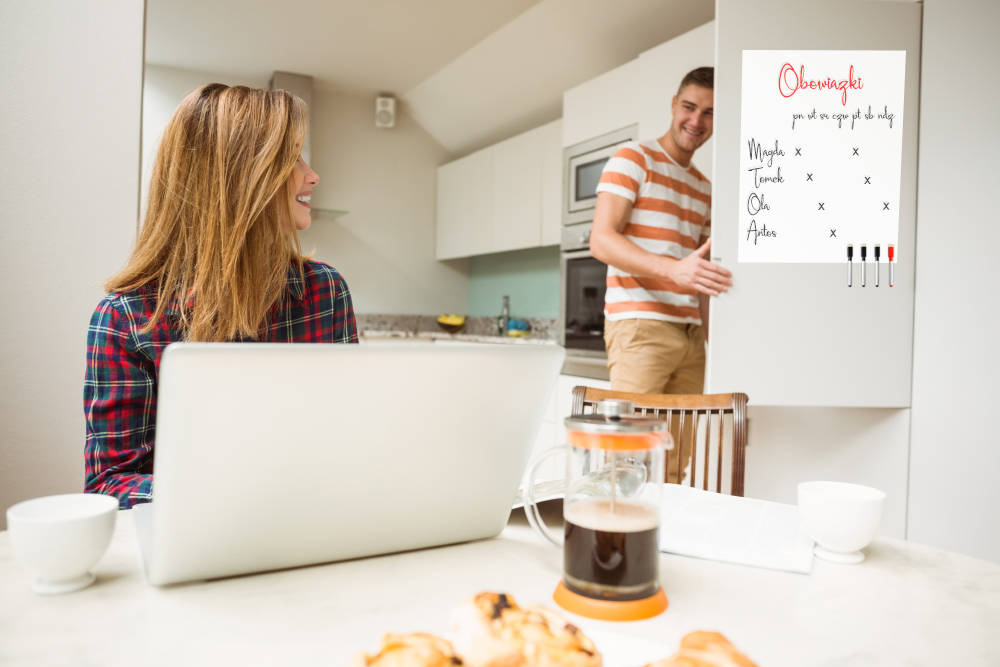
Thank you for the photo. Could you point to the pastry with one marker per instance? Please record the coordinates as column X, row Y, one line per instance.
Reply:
column 415, row 649
column 493, row 631
column 705, row 649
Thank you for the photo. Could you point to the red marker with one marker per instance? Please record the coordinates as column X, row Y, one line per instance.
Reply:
column 892, row 258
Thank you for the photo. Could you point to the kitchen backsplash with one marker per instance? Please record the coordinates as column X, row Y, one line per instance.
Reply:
column 541, row 327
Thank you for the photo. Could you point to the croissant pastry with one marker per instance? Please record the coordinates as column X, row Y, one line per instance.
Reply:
column 705, row 649
column 496, row 632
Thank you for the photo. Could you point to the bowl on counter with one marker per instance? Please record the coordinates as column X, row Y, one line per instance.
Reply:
column 842, row 518
column 59, row 538
column 451, row 323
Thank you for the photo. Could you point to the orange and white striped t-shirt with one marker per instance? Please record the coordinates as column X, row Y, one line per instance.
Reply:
column 671, row 210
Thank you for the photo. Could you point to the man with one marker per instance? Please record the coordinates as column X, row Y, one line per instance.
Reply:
column 651, row 227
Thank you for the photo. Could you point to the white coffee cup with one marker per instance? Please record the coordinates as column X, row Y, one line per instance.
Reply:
column 59, row 538
column 842, row 518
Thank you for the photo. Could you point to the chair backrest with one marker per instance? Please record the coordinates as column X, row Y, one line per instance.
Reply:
column 707, row 425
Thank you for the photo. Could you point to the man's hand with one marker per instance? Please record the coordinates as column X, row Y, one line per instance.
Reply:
column 697, row 273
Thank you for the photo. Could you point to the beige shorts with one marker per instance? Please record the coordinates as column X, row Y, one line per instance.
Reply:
column 655, row 357
column 658, row 357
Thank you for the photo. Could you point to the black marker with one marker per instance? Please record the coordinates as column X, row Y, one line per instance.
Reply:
column 877, row 251
column 864, row 264
column 850, row 263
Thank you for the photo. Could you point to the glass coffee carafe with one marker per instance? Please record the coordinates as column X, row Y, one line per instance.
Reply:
column 611, row 513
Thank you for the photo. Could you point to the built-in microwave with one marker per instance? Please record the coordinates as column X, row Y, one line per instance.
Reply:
column 582, row 167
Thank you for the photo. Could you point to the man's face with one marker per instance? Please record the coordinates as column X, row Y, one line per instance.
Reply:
column 692, row 122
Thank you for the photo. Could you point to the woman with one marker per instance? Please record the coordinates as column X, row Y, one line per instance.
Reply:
column 218, row 259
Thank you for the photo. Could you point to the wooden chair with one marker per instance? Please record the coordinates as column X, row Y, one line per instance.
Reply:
column 691, row 416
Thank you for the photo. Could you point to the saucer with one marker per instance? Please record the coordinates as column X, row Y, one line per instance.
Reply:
column 848, row 558
column 43, row 587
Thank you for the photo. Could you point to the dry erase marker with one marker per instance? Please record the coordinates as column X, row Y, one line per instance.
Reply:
column 877, row 252
column 864, row 263
column 850, row 263
column 892, row 253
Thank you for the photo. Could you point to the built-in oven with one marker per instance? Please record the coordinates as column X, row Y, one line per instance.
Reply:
column 582, row 167
column 581, row 312
column 584, row 278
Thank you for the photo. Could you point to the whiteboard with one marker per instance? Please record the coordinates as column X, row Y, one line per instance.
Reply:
column 790, row 332
column 820, row 152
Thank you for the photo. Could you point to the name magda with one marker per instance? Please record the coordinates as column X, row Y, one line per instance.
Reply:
column 757, row 233
column 760, row 154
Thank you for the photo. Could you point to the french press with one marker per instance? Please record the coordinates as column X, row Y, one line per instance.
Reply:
column 611, row 513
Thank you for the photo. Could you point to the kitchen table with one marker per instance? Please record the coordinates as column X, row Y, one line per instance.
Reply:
column 907, row 604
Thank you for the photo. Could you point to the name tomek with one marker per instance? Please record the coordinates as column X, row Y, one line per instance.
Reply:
column 758, row 179
column 763, row 231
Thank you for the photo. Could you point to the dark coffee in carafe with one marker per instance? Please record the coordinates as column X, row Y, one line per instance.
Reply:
column 611, row 553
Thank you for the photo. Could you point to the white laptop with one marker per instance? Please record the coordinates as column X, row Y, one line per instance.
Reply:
column 271, row 456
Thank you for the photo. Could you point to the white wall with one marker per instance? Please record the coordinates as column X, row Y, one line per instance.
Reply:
column 955, row 446
column 162, row 90
column 861, row 445
column 385, row 178
column 69, row 137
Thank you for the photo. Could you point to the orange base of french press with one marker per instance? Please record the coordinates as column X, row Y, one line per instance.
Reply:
column 608, row 610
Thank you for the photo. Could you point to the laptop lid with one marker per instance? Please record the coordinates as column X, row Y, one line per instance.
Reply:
column 271, row 456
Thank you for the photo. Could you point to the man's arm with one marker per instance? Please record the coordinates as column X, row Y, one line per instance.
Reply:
column 609, row 244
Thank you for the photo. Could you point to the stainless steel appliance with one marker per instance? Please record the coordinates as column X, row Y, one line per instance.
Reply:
column 583, row 278
column 581, row 311
column 582, row 167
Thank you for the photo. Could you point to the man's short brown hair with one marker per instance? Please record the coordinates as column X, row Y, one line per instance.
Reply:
column 702, row 76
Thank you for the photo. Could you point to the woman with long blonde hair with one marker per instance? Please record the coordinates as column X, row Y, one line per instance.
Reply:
column 217, row 259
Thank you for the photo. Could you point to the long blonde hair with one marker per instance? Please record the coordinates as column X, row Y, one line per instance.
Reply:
column 219, row 238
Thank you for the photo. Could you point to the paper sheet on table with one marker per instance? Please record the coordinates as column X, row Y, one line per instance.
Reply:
column 732, row 529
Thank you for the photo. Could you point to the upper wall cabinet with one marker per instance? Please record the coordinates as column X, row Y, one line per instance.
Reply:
column 464, row 198
column 503, row 197
column 603, row 104
column 661, row 69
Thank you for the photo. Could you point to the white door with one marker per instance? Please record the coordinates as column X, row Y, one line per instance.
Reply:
column 794, row 334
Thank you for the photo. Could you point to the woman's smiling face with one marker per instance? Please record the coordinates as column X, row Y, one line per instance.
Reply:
column 300, row 187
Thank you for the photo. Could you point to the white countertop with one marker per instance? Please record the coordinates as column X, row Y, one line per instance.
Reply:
column 905, row 605
column 382, row 334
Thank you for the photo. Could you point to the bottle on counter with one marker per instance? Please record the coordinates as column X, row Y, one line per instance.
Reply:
column 504, row 317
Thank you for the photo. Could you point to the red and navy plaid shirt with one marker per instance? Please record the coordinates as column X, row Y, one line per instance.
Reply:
column 119, row 392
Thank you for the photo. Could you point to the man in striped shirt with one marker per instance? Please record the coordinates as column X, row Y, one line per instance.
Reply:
column 651, row 227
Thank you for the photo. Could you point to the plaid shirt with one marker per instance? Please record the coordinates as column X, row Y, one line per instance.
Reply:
column 119, row 392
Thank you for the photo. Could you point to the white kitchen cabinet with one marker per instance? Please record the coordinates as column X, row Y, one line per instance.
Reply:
column 601, row 105
column 464, row 202
column 661, row 69
column 517, row 193
column 507, row 196
column 550, row 139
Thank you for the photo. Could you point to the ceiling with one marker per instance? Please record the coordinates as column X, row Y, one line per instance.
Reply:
column 470, row 72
